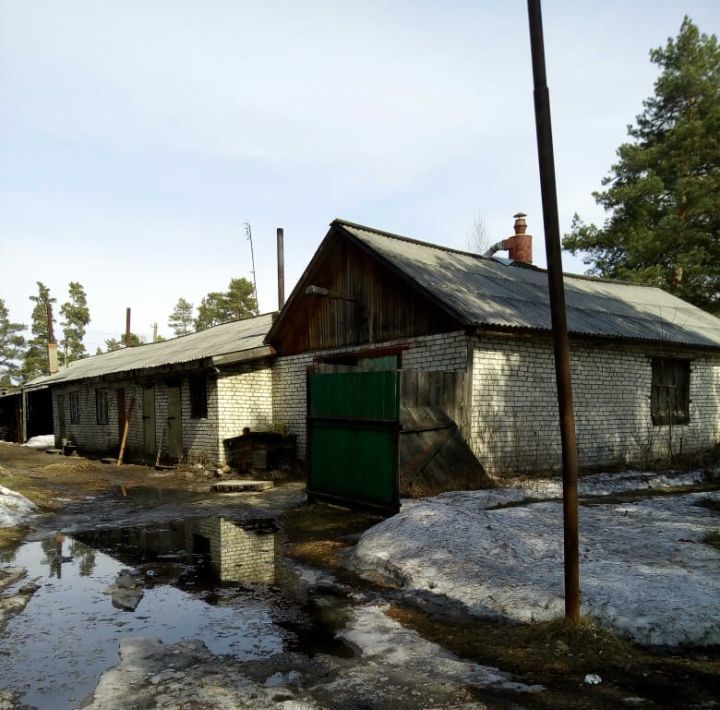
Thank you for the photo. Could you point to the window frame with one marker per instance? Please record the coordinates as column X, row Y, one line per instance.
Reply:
column 102, row 406
column 74, row 406
column 198, row 390
column 670, row 391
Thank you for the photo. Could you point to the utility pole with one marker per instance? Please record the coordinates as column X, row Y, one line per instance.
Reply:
column 155, row 330
column 561, row 341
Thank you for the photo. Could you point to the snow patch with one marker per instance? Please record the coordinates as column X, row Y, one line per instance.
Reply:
column 14, row 508
column 387, row 643
column 645, row 571
column 46, row 441
column 605, row 484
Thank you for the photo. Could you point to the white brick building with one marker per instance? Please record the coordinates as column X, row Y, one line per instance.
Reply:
column 183, row 397
column 645, row 365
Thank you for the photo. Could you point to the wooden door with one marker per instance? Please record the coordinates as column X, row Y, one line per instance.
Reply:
column 60, row 401
column 149, row 423
column 174, row 422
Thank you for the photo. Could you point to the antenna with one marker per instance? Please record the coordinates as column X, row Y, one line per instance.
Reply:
column 248, row 232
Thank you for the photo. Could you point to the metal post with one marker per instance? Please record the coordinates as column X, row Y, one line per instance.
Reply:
column 561, row 341
column 127, row 327
column 281, row 267
column 24, row 405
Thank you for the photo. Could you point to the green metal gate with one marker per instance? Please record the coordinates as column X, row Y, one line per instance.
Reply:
column 353, row 432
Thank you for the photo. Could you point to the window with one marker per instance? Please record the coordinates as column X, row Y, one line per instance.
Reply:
column 198, row 397
column 74, row 398
column 101, row 406
column 670, row 396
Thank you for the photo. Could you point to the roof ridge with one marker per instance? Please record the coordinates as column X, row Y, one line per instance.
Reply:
column 584, row 277
column 346, row 223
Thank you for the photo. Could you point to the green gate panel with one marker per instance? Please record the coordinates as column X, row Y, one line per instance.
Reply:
column 355, row 464
column 354, row 395
column 353, row 429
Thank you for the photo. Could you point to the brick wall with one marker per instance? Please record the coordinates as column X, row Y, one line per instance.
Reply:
column 514, row 406
column 87, row 433
column 244, row 400
column 447, row 351
column 234, row 401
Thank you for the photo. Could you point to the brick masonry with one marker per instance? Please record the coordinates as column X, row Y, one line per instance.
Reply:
column 447, row 351
column 234, row 401
column 515, row 422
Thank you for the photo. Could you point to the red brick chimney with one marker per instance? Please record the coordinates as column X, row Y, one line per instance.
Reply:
column 520, row 244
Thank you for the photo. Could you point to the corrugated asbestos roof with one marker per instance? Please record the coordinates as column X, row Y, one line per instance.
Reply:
column 484, row 291
column 220, row 340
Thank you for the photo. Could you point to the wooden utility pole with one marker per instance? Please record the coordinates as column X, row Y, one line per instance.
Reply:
column 561, row 341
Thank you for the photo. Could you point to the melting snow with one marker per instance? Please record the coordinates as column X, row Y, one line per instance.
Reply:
column 644, row 569
column 46, row 441
column 14, row 508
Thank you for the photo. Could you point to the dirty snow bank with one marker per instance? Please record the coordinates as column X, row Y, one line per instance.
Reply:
column 187, row 675
column 605, row 484
column 644, row 569
column 46, row 441
column 14, row 508
column 400, row 652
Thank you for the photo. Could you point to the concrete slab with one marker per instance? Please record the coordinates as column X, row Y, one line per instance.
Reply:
column 240, row 486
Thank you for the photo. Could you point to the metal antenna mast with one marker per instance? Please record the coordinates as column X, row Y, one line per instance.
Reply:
column 248, row 232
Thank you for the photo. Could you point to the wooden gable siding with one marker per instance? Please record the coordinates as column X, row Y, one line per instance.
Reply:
column 377, row 304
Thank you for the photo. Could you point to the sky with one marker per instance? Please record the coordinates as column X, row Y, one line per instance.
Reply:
column 138, row 138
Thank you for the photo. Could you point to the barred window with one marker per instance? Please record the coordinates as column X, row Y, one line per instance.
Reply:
column 198, row 397
column 74, row 398
column 670, row 396
column 101, row 406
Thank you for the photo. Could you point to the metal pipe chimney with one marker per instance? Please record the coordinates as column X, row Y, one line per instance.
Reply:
column 52, row 345
column 281, row 267
column 127, row 327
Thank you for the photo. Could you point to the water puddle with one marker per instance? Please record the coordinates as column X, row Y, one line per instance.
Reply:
column 223, row 582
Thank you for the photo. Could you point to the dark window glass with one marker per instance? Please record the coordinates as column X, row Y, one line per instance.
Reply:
column 74, row 399
column 670, row 397
column 101, row 406
column 198, row 397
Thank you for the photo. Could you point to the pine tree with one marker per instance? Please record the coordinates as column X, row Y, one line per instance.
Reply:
column 112, row 344
column 76, row 315
column 181, row 319
column 218, row 307
column 12, row 344
column 35, row 361
column 663, row 194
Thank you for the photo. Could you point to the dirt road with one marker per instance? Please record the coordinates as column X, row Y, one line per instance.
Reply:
column 301, row 631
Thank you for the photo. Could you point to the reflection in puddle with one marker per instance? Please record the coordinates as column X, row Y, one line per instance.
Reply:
column 235, row 552
column 221, row 582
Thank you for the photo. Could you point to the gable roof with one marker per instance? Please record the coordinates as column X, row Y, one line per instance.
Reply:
column 221, row 341
column 485, row 291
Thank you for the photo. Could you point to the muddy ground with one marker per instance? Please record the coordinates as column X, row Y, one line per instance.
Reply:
column 428, row 644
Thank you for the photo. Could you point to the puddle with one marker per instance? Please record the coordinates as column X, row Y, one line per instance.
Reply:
column 223, row 582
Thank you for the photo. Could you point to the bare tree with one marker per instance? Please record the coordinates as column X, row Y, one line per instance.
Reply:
column 478, row 240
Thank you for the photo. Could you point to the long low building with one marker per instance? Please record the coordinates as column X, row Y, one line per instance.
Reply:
column 468, row 338
column 181, row 397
